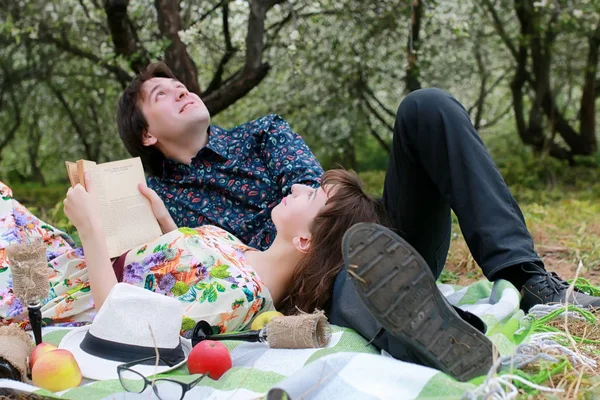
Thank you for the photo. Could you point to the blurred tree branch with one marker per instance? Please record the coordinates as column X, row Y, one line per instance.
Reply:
column 254, row 70
column 45, row 36
column 90, row 152
column 12, row 131
column 217, row 79
column 538, row 42
column 176, row 54
column 123, row 34
column 412, row 47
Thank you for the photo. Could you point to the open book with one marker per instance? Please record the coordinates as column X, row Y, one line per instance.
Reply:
column 126, row 214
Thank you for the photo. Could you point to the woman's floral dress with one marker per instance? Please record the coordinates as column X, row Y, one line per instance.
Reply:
column 204, row 268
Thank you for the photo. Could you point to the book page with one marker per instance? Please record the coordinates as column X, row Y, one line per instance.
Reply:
column 126, row 214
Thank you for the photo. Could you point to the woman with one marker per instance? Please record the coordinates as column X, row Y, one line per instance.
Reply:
column 214, row 275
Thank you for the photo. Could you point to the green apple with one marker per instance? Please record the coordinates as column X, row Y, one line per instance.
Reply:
column 263, row 319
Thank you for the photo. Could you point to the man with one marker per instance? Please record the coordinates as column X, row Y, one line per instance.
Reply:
column 203, row 173
column 207, row 175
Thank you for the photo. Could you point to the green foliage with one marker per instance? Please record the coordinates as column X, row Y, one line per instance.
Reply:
column 540, row 178
column 338, row 72
column 43, row 198
column 373, row 182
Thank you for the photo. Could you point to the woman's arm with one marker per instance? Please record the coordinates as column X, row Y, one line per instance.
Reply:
column 82, row 208
column 99, row 267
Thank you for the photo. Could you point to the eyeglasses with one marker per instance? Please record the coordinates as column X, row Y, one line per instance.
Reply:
column 165, row 389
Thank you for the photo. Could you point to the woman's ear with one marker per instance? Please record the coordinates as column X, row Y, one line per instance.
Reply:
column 302, row 244
column 148, row 139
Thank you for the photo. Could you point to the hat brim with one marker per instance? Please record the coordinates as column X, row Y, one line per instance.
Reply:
column 100, row 369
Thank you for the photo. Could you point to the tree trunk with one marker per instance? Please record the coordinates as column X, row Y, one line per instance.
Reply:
column 176, row 55
column 79, row 128
column 483, row 75
column 10, row 134
column 412, row 47
column 33, row 150
column 347, row 157
column 533, row 137
column 37, row 174
column 254, row 70
column 123, row 35
column 540, row 59
column 223, row 92
column 587, row 111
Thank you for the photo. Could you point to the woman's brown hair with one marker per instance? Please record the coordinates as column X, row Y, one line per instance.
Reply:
column 313, row 278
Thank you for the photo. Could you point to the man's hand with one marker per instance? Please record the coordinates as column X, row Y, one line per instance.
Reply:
column 82, row 207
column 159, row 209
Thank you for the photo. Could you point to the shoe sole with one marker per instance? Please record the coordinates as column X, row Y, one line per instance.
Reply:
column 399, row 289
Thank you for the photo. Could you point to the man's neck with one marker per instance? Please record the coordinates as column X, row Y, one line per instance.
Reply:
column 185, row 149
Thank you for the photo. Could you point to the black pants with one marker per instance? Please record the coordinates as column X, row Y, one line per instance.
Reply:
column 438, row 164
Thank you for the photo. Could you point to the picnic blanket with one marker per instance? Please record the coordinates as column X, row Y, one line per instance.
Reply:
column 349, row 368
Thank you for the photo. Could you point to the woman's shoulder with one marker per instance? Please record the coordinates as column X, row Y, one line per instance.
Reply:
column 216, row 232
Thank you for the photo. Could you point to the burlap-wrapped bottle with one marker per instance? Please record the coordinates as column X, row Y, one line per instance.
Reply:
column 304, row 331
column 29, row 270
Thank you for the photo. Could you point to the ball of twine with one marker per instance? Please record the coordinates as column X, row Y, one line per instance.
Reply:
column 29, row 269
column 15, row 347
column 304, row 331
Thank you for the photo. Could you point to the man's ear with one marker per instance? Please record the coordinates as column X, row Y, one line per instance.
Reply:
column 148, row 139
column 302, row 244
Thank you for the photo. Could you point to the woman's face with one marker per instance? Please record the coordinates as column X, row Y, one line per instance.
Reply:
column 294, row 215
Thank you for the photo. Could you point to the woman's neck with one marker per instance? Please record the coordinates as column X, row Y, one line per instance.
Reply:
column 275, row 267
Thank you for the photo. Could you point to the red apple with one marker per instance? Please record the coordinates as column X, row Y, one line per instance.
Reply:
column 39, row 350
column 209, row 357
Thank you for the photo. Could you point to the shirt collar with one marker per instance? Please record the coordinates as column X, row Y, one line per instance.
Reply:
column 216, row 144
column 216, row 140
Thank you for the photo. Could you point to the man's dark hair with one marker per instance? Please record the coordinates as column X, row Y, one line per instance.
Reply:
column 131, row 122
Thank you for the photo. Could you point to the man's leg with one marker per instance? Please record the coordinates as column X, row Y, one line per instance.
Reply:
column 438, row 163
column 418, row 212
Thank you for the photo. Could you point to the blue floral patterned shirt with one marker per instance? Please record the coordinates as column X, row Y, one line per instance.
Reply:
column 238, row 178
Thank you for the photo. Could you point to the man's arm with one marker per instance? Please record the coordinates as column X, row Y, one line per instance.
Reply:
column 288, row 158
column 159, row 209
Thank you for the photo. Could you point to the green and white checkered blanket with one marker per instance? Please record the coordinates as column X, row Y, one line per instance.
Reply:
column 348, row 368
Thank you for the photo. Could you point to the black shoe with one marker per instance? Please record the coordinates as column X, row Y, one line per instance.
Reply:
column 545, row 287
column 398, row 288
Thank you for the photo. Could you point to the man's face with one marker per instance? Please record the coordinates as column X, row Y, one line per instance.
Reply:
column 171, row 111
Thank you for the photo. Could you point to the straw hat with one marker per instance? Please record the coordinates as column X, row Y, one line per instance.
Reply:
column 131, row 324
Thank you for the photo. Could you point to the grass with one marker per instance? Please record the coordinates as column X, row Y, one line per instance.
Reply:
column 564, row 232
column 564, row 221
